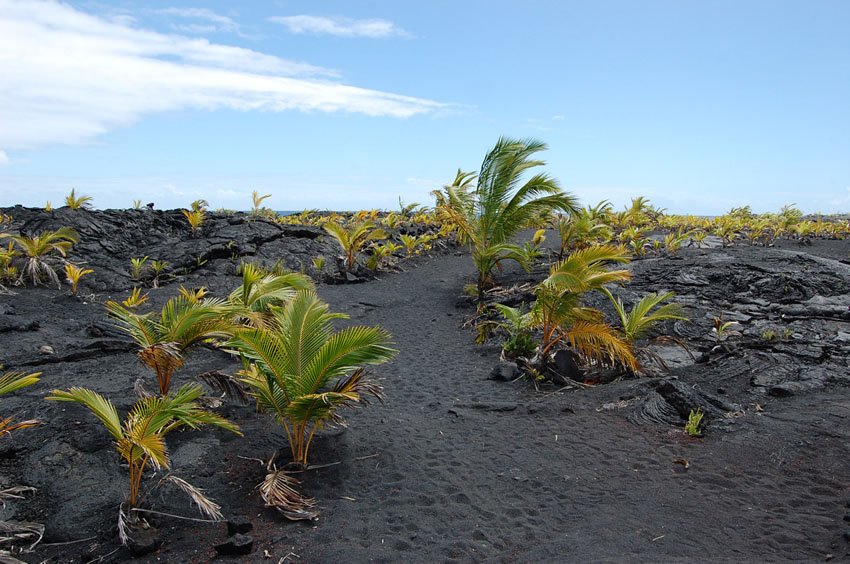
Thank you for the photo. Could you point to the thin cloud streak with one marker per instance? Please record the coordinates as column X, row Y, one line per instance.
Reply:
column 70, row 77
column 213, row 22
column 339, row 26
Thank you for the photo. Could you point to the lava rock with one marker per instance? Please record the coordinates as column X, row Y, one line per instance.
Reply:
column 144, row 541
column 239, row 524
column 237, row 545
column 566, row 365
column 504, row 372
column 671, row 401
column 784, row 390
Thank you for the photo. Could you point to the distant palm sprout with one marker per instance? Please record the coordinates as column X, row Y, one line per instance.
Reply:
column 257, row 201
column 77, row 202
column 37, row 249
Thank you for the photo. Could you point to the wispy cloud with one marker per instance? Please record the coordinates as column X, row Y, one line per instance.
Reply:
column 4, row 158
column 201, row 20
column 69, row 76
column 339, row 26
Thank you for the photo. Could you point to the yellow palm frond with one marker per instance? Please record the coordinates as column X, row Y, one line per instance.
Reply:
column 600, row 342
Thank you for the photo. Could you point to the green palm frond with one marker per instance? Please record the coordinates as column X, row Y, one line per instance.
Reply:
column 637, row 322
column 37, row 248
column 264, row 387
column 101, row 407
column 305, row 325
column 186, row 322
column 296, row 359
column 140, row 439
column 586, row 269
column 264, row 347
column 501, row 204
column 600, row 342
column 183, row 322
column 353, row 238
column 14, row 380
column 141, row 328
column 261, row 291
column 353, row 346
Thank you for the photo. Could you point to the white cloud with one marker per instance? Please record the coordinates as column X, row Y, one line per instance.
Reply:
column 4, row 158
column 69, row 76
column 339, row 26
column 213, row 22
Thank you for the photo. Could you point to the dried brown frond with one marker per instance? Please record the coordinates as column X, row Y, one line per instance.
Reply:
column 140, row 390
column 21, row 531
column 206, row 506
column 501, row 291
column 7, row 558
column 14, row 492
column 123, row 526
column 359, row 384
column 7, row 426
column 278, row 491
column 164, row 356
column 225, row 384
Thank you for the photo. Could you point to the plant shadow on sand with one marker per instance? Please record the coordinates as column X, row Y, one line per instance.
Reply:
column 456, row 466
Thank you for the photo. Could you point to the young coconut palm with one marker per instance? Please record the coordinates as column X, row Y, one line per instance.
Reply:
column 257, row 200
column 140, row 439
column 164, row 340
column 489, row 215
column 579, row 231
column 303, row 372
column 73, row 275
column 260, row 290
column 10, row 382
column 77, row 202
column 353, row 238
column 37, row 248
column 563, row 319
column 638, row 321
column 518, row 323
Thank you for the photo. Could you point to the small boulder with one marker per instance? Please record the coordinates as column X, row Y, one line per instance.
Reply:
column 237, row 545
column 46, row 349
column 239, row 524
column 144, row 541
column 504, row 372
column 566, row 365
column 783, row 390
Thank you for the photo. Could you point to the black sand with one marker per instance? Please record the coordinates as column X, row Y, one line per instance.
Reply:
column 455, row 466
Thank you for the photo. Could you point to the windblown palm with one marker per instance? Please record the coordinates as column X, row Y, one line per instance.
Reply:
column 37, row 248
column 164, row 339
column 500, row 205
column 303, row 371
column 353, row 238
column 260, row 291
column 581, row 230
column 561, row 316
column 140, row 439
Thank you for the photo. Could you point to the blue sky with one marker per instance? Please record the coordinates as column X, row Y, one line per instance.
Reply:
column 701, row 106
